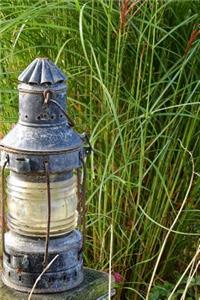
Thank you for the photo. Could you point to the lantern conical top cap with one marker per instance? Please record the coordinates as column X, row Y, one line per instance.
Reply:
column 42, row 127
column 42, row 71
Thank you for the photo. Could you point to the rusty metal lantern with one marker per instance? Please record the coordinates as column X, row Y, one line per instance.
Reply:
column 45, row 157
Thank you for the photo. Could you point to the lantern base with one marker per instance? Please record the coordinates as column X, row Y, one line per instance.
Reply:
column 23, row 262
column 93, row 287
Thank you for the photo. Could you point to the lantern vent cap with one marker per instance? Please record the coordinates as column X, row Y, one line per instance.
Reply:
column 42, row 71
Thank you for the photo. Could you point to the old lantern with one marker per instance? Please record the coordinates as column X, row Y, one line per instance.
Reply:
column 45, row 159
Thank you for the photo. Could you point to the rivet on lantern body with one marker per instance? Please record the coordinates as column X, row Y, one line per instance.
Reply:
column 43, row 153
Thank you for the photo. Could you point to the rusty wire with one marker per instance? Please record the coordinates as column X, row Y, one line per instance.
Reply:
column 79, row 190
column 3, row 204
column 69, row 120
column 46, row 253
column 47, row 98
column 83, row 200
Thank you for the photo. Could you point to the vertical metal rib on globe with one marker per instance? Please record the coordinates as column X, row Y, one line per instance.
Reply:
column 43, row 154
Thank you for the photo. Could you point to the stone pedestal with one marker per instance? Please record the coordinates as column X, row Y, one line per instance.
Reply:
column 94, row 287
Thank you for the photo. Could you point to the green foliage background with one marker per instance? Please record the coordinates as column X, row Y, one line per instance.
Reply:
column 133, row 78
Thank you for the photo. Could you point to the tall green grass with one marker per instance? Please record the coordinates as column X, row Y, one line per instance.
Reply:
column 135, row 89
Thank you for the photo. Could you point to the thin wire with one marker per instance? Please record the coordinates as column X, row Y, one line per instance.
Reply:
column 70, row 122
column 47, row 94
column 79, row 191
column 3, row 204
column 83, row 200
column 46, row 166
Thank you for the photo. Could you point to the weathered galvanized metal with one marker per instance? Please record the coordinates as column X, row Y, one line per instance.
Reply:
column 93, row 287
column 44, row 155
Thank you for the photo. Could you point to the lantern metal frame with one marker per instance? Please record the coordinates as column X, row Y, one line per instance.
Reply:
column 45, row 161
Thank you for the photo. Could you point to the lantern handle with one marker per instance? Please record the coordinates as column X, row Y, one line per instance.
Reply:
column 82, row 198
column 70, row 122
column 46, row 253
column 3, row 204
column 47, row 98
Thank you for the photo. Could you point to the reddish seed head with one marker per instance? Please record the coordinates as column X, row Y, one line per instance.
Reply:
column 194, row 35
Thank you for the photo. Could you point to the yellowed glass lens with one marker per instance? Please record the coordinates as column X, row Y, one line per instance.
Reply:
column 27, row 206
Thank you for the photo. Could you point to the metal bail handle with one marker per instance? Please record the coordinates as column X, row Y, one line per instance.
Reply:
column 46, row 253
column 82, row 199
column 47, row 98
column 3, row 205
column 82, row 207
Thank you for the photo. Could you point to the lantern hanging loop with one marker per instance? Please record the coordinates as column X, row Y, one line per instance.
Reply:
column 47, row 98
